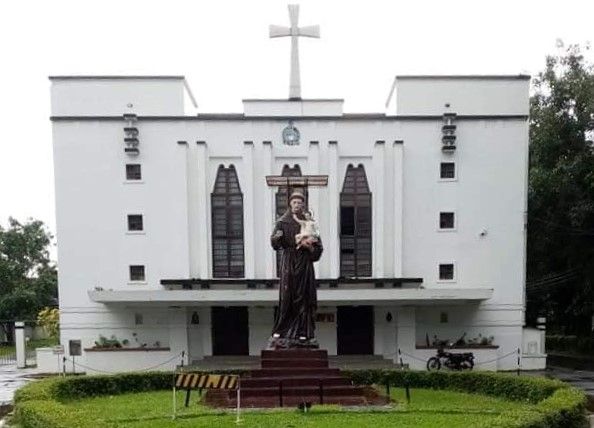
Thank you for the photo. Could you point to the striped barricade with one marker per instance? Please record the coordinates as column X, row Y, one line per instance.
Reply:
column 200, row 381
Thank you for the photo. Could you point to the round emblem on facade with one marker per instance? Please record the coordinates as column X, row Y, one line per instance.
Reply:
column 291, row 135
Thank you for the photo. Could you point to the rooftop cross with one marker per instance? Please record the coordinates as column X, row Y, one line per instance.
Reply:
column 294, row 31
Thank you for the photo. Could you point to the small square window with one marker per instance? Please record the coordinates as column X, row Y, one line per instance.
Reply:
column 447, row 170
column 133, row 171
column 446, row 220
column 137, row 273
column 135, row 222
column 446, row 271
column 443, row 317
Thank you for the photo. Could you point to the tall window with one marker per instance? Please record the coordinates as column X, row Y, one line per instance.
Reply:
column 355, row 224
column 282, row 197
column 227, row 225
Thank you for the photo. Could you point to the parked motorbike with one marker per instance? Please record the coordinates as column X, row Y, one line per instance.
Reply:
column 451, row 360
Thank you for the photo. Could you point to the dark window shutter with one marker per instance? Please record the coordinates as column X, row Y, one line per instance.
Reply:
column 227, row 225
column 355, row 224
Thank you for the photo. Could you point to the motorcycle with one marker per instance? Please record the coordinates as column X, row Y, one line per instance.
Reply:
column 451, row 360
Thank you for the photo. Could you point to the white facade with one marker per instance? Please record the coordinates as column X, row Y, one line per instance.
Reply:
column 401, row 154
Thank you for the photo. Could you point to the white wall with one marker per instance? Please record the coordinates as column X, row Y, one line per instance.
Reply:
column 93, row 198
column 465, row 96
column 116, row 96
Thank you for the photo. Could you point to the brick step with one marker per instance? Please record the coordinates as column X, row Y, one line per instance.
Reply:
column 295, row 372
column 264, row 382
column 330, row 391
column 293, row 362
column 294, row 401
column 295, row 353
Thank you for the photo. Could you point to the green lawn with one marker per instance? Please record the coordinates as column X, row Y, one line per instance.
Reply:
column 428, row 408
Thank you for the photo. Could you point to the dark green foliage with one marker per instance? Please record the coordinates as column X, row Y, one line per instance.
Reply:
column 575, row 344
column 508, row 386
column 28, row 280
column 561, row 195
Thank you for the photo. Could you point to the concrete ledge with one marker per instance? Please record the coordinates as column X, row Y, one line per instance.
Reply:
column 125, row 349
column 420, row 296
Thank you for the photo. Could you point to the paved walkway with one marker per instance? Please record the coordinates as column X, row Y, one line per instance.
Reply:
column 11, row 379
column 583, row 379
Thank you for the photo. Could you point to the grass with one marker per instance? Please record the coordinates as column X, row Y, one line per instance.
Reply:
column 31, row 345
column 428, row 408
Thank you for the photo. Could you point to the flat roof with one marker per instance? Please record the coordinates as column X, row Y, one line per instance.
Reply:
column 116, row 77
column 466, row 76
column 293, row 100
column 132, row 77
column 346, row 116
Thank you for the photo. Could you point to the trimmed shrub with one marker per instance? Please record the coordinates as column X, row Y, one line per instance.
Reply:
column 508, row 386
column 45, row 414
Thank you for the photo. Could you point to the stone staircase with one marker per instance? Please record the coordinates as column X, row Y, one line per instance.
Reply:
column 295, row 376
column 249, row 362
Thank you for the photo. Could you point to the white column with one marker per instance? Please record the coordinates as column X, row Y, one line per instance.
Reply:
column 19, row 339
column 398, row 207
column 207, row 336
column 193, row 204
column 385, row 331
column 331, row 241
column 269, row 210
column 406, row 335
column 378, row 196
column 260, row 327
column 178, row 333
column 203, row 210
column 314, row 192
column 248, row 209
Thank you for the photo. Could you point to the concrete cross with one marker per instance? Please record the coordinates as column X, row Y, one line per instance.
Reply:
column 295, row 31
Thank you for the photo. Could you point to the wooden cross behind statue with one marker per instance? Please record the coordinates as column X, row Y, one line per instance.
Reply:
column 293, row 183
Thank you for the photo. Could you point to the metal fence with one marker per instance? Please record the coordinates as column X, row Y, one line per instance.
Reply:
column 35, row 337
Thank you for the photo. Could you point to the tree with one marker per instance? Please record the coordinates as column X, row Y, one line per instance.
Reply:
column 561, row 194
column 28, row 279
column 49, row 319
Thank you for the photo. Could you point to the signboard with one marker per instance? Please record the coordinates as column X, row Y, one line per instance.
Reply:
column 58, row 349
column 74, row 347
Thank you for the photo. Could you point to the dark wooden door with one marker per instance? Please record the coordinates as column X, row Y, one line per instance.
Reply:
column 230, row 331
column 355, row 330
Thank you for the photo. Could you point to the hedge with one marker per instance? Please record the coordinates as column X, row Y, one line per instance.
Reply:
column 40, row 404
column 504, row 385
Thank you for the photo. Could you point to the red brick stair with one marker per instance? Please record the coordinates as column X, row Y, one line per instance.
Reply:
column 290, row 377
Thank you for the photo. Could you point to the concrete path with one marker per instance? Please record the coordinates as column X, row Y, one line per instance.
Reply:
column 11, row 379
column 583, row 379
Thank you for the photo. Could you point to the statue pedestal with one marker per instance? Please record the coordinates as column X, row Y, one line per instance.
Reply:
column 290, row 377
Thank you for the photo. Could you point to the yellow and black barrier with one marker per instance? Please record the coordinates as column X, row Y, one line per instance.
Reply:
column 206, row 381
column 200, row 381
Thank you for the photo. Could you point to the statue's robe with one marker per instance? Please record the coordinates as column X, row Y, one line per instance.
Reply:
column 297, row 292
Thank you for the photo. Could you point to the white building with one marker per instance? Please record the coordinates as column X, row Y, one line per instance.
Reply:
column 163, row 219
column 434, row 245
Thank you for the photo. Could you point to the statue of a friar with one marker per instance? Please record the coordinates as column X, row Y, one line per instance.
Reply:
column 297, row 238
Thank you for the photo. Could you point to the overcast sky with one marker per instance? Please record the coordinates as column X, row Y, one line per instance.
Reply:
column 222, row 47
